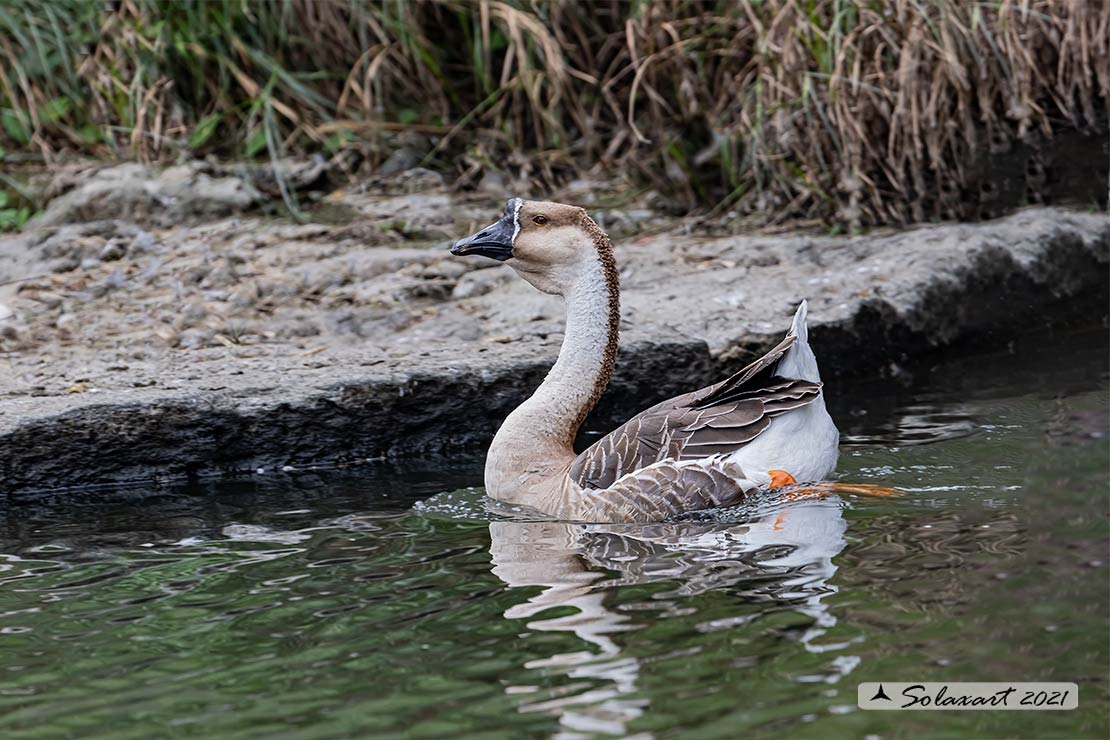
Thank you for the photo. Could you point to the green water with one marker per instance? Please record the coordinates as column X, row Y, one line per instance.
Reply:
column 323, row 604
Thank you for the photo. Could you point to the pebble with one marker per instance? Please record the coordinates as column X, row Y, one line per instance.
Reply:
column 195, row 338
column 50, row 300
column 168, row 334
column 143, row 242
column 112, row 251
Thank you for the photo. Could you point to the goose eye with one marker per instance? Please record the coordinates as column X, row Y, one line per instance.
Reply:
column 539, row 220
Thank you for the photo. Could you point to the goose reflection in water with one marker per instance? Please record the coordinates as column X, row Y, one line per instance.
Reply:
column 783, row 558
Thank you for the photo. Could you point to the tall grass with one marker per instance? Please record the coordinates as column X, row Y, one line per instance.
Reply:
column 859, row 112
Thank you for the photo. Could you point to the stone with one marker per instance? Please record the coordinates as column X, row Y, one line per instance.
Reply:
column 338, row 350
column 135, row 193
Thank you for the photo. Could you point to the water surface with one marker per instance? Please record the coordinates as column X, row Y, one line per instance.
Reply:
column 388, row 601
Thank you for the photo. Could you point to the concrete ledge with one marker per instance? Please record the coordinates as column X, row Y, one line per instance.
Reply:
column 695, row 309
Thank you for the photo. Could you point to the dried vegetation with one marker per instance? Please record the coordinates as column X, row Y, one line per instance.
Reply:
column 856, row 112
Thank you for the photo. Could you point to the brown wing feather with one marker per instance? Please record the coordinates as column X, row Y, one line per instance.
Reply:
column 738, row 383
column 718, row 419
column 664, row 491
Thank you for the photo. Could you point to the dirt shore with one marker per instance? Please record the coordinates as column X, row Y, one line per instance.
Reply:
column 176, row 337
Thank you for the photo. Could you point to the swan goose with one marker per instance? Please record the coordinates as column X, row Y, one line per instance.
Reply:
column 764, row 427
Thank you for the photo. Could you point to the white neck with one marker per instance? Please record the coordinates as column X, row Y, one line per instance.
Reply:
column 539, row 435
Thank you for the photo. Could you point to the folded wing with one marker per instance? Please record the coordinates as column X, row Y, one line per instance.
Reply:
column 716, row 420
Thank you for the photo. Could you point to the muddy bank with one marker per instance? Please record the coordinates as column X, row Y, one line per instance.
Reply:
column 145, row 350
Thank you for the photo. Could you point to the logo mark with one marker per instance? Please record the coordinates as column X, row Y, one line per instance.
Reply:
column 880, row 694
column 962, row 695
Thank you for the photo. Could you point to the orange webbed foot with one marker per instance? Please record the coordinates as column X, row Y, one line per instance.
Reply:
column 780, row 478
column 820, row 490
column 866, row 489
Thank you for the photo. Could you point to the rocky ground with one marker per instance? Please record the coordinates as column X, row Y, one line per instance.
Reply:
column 156, row 330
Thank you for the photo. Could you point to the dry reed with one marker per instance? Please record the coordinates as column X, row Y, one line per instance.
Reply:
column 854, row 112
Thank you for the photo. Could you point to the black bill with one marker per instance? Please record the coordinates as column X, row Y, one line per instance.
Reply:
column 495, row 241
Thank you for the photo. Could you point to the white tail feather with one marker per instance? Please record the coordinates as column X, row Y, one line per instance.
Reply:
column 799, row 361
column 803, row 441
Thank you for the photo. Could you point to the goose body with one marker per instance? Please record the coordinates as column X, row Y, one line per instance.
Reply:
column 762, row 427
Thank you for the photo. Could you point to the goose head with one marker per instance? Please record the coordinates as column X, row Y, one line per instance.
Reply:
column 550, row 245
